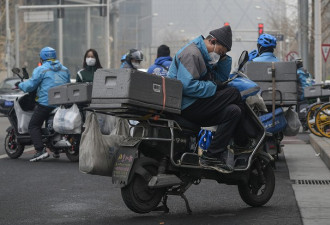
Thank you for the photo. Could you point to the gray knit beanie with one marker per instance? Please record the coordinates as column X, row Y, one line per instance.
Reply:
column 223, row 36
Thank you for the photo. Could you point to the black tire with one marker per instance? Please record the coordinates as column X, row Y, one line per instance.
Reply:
column 73, row 152
column 138, row 197
column 254, row 193
column 12, row 148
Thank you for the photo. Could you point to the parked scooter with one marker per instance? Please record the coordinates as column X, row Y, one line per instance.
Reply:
column 161, row 159
column 15, row 141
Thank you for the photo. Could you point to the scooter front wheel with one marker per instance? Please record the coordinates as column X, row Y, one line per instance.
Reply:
column 138, row 197
column 13, row 149
column 260, row 187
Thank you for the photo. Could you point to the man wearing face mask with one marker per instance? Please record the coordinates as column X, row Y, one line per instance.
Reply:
column 133, row 59
column 202, row 66
column 90, row 64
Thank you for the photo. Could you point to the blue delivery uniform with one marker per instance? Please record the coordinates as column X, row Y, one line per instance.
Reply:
column 266, row 57
column 205, row 101
column 50, row 74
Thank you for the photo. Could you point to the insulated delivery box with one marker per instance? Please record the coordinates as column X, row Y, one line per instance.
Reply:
column 285, row 81
column 116, row 88
column 70, row 93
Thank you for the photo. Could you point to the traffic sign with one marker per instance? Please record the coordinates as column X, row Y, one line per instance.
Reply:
column 325, row 51
column 38, row 16
column 292, row 56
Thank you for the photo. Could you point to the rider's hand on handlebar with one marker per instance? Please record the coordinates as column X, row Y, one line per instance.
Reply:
column 220, row 85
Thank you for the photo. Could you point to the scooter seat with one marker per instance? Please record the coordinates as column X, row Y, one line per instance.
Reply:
column 184, row 123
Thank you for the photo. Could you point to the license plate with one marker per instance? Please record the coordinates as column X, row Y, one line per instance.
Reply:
column 9, row 103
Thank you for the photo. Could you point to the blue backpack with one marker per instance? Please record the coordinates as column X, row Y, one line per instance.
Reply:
column 245, row 86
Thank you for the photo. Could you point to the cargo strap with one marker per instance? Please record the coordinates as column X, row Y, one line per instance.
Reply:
column 273, row 92
column 156, row 117
column 164, row 92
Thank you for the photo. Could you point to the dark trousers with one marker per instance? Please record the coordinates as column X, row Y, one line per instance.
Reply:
column 39, row 115
column 225, row 109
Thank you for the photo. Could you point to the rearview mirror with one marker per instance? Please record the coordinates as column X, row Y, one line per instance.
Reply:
column 243, row 59
column 25, row 73
column 16, row 70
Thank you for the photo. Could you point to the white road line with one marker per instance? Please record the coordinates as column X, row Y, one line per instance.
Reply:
column 26, row 150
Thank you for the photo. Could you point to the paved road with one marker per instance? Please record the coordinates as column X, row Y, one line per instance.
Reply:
column 55, row 192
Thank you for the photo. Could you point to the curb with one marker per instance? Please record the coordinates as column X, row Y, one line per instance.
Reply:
column 321, row 145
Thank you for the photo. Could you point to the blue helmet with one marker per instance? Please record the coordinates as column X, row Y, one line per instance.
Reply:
column 267, row 40
column 123, row 58
column 47, row 53
column 253, row 54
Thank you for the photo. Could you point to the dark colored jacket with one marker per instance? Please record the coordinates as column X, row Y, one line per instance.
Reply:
column 86, row 75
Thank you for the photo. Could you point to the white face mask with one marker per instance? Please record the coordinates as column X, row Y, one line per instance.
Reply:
column 214, row 56
column 90, row 61
column 136, row 65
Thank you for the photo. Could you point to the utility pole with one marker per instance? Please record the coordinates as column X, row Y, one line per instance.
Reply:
column 8, row 40
column 318, row 39
column 303, row 31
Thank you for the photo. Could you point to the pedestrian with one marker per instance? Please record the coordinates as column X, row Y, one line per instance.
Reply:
column 91, row 63
column 50, row 74
column 305, row 79
column 122, row 60
column 266, row 45
column 202, row 66
column 133, row 59
column 162, row 62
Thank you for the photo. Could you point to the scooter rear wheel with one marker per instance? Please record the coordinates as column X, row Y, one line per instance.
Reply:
column 12, row 148
column 254, row 192
column 138, row 197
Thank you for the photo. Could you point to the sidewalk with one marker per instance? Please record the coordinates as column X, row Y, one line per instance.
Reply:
column 322, row 146
column 310, row 179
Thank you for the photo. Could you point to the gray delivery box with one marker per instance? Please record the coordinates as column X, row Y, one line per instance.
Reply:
column 70, row 93
column 119, row 87
column 58, row 95
column 262, row 71
column 80, row 92
column 285, row 81
column 313, row 91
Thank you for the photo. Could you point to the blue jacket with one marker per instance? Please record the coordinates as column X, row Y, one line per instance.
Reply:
column 305, row 79
column 158, row 67
column 266, row 57
column 125, row 65
column 191, row 68
column 44, row 77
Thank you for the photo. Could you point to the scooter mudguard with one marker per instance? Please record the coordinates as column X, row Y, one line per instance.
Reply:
column 125, row 155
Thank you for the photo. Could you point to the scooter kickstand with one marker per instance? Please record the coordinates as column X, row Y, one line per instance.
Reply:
column 187, row 203
column 164, row 206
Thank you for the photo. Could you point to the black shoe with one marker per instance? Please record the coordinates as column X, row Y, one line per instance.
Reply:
column 247, row 148
column 43, row 154
column 206, row 160
column 219, row 164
